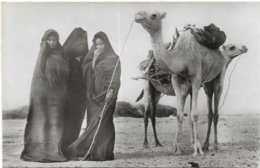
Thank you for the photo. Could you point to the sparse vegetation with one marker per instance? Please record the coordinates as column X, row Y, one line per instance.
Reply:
column 19, row 113
column 123, row 109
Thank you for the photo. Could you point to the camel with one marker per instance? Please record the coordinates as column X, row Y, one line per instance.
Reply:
column 192, row 66
column 151, row 93
column 215, row 87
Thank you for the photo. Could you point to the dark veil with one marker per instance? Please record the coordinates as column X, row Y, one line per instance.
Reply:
column 75, row 49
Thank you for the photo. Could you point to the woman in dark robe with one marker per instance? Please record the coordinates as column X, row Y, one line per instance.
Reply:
column 48, row 98
column 75, row 49
column 98, row 68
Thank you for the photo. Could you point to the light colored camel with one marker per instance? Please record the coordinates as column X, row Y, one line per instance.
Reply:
column 191, row 65
column 152, row 91
column 215, row 88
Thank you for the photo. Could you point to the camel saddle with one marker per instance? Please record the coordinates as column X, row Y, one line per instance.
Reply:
column 155, row 73
column 211, row 36
column 160, row 79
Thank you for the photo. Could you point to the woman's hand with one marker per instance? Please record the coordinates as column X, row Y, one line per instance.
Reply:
column 97, row 52
column 109, row 95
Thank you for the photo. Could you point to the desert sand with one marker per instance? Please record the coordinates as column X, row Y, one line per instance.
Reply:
column 238, row 135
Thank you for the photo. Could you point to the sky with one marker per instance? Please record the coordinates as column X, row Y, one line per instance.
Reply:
column 23, row 25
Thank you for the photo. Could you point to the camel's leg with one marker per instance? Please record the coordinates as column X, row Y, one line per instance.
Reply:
column 154, row 101
column 181, row 91
column 217, row 94
column 147, row 102
column 209, row 92
column 194, row 116
column 146, row 115
column 190, row 121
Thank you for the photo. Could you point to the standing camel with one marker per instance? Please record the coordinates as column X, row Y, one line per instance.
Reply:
column 191, row 66
column 152, row 91
column 215, row 87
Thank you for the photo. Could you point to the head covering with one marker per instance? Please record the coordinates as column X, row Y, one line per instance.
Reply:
column 46, row 51
column 108, row 48
column 47, row 34
column 108, row 51
column 76, row 44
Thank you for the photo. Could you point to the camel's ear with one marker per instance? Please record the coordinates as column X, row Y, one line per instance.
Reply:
column 162, row 15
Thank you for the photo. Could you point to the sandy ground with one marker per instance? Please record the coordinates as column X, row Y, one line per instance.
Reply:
column 239, row 140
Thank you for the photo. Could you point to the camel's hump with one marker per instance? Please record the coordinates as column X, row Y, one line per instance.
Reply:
column 187, row 39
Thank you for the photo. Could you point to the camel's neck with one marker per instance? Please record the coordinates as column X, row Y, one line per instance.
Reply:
column 228, row 60
column 159, row 49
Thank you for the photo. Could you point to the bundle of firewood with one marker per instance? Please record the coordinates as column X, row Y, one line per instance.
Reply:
column 154, row 73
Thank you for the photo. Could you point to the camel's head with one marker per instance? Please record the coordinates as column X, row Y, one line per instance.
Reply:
column 151, row 22
column 232, row 51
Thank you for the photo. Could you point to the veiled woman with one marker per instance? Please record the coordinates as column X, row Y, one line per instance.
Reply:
column 75, row 49
column 98, row 67
column 44, row 128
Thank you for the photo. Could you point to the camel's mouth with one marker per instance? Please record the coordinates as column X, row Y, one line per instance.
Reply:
column 239, row 51
column 139, row 17
column 244, row 49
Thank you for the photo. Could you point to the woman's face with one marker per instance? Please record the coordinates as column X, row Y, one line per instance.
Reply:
column 52, row 41
column 100, row 44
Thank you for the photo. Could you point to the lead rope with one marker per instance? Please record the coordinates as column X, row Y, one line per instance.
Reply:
column 104, row 107
column 229, row 81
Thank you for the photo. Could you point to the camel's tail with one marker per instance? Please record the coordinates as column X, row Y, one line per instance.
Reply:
column 140, row 96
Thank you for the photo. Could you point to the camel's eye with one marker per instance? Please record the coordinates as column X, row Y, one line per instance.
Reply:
column 232, row 48
column 153, row 16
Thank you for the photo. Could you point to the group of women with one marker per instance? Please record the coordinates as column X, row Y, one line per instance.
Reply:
column 65, row 85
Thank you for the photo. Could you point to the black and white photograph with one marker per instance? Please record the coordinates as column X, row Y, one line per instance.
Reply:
column 130, row 84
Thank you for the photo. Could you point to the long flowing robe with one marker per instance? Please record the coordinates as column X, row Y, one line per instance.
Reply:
column 97, row 82
column 48, row 98
column 75, row 48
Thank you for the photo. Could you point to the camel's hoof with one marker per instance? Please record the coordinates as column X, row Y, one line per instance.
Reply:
column 177, row 151
column 158, row 144
column 205, row 147
column 195, row 153
column 197, row 149
column 216, row 147
column 146, row 145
